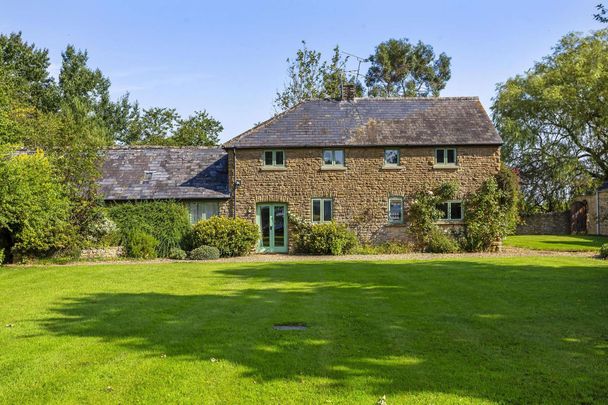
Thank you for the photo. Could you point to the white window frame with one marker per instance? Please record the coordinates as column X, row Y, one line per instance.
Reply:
column 197, row 214
column 321, row 210
column 445, row 157
column 333, row 158
column 449, row 211
column 398, row 157
column 274, row 158
column 390, row 220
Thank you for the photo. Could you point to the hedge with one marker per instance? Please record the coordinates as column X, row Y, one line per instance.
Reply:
column 166, row 221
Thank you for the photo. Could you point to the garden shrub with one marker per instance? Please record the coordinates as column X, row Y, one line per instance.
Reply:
column 34, row 210
column 604, row 251
column 1, row 257
column 177, row 254
column 101, row 231
column 166, row 221
column 205, row 253
column 491, row 214
column 231, row 236
column 441, row 242
column 323, row 239
column 140, row 245
column 423, row 215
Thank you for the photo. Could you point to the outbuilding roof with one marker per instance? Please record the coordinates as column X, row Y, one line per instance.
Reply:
column 145, row 173
column 409, row 121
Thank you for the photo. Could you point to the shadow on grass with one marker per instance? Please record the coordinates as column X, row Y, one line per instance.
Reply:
column 469, row 329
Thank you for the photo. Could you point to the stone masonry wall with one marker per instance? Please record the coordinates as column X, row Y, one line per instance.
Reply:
column 360, row 193
column 592, row 215
column 549, row 223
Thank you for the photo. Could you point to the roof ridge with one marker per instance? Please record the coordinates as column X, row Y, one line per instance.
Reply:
column 135, row 147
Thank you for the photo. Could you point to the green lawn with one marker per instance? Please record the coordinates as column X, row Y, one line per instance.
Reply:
column 521, row 330
column 564, row 243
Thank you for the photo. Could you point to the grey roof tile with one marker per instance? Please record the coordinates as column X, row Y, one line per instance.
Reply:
column 413, row 121
column 174, row 173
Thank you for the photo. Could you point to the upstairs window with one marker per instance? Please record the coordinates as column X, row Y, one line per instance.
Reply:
column 395, row 210
column 201, row 210
column 333, row 157
column 452, row 210
column 274, row 158
column 322, row 210
column 391, row 157
column 445, row 156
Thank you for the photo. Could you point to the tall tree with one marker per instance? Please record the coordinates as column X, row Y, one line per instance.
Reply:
column 200, row 129
column 27, row 68
column 310, row 77
column 554, row 121
column 399, row 68
column 602, row 13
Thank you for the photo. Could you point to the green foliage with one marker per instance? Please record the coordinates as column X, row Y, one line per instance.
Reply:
column 167, row 221
column 602, row 14
column 399, row 68
column 34, row 209
column 604, row 251
column 322, row 239
column 177, row 254
column 205, row 253
column 101, row 231
column 423, row 213
column 554, row 122
column 309, row 77
column 491, row 213
column 1, row 256
column 441, row 242
column 232, row 236
column 140, row 245
column 388, row 248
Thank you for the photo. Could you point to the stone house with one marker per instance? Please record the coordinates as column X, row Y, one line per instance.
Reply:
column 355, row 161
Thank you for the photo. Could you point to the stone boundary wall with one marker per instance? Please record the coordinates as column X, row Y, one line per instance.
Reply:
column 549, row 223
column 111, row 252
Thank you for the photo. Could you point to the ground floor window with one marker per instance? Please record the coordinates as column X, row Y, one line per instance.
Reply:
column 452, row 210
column 322, row 210
column 395, row 210
column 200, row 210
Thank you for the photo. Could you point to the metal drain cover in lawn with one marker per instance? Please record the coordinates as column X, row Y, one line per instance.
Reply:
column 290, row 326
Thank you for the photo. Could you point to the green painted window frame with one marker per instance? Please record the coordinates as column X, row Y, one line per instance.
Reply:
column 274, row 158
column 449, row 210
column 199, row 210
column 445, row 156
column 390, row 220
column 333, row 158
column 321, row 210
column 398, row 157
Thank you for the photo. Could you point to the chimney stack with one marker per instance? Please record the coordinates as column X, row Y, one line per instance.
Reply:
column 348, row 92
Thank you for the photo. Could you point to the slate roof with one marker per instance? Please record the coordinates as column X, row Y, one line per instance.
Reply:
column 145, row 173
column 413, row 121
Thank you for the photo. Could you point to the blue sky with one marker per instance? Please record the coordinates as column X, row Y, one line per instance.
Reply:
column 229, row 57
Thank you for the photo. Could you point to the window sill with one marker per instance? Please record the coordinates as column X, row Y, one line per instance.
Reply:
column 445, row 167
column 392, row 167
column 450, row 222
column 273, row 168
column 330, row 168
column 396, row 224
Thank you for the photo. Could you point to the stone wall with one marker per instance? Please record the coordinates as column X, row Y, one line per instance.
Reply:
column 549, row 223
column 360, row 193
column 111, row 252
column 592, row 214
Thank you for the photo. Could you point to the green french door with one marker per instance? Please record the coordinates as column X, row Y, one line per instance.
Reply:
column 272, row 220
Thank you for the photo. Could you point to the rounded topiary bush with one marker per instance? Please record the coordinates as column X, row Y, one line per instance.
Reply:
column 231, row 236
column 177, row 254
column 205, row 253
column 604, row 251
column 140, row 245
column 324, row 239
